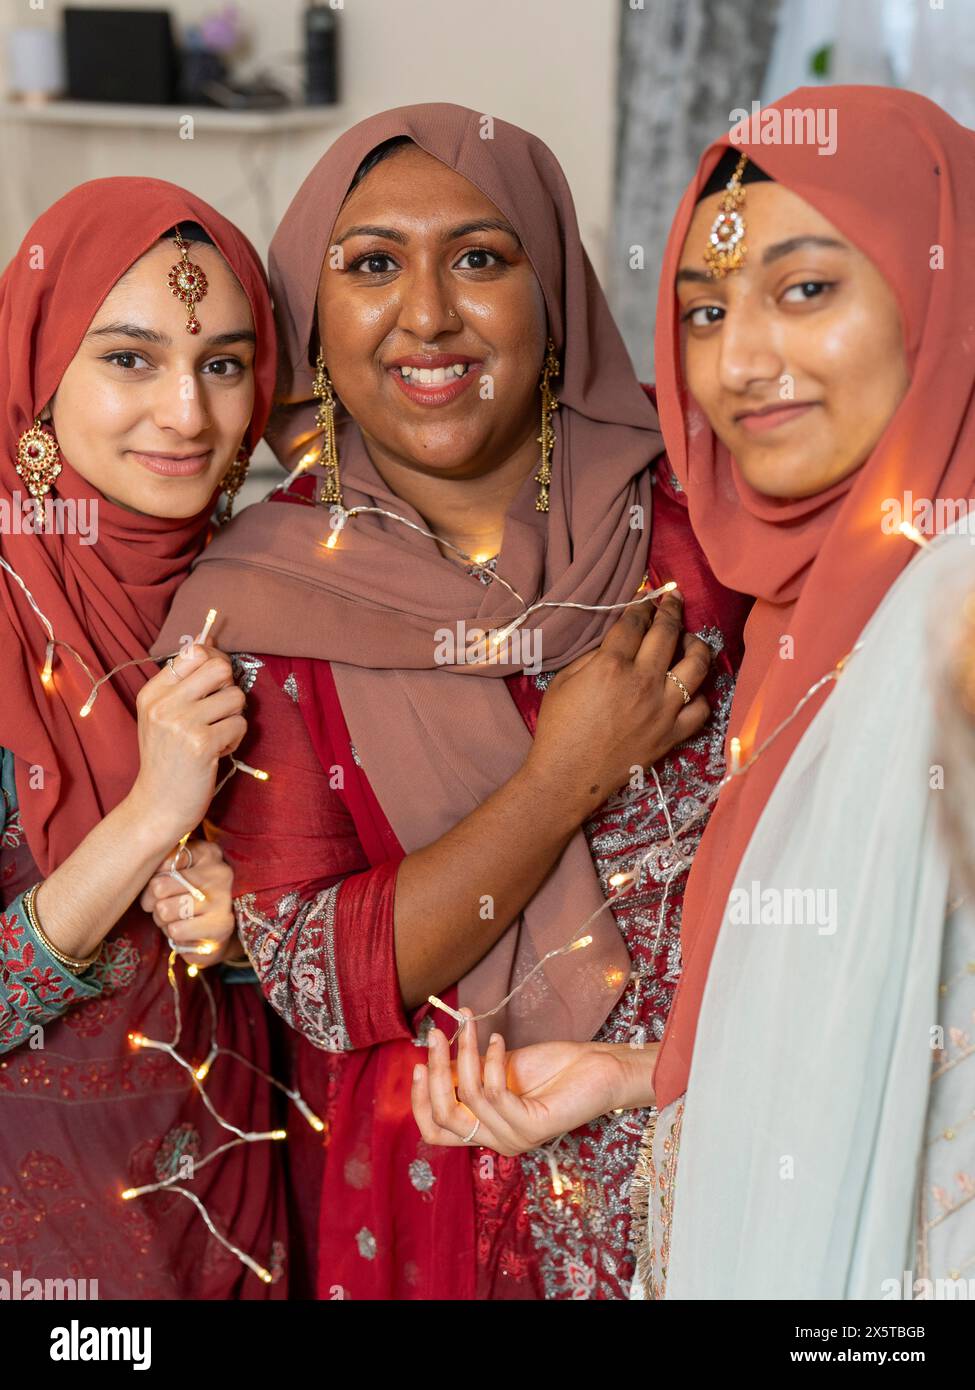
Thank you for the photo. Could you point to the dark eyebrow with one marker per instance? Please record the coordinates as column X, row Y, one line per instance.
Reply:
column 486, row 224
column 770, row 254
column 151, row 335
column 799, row 243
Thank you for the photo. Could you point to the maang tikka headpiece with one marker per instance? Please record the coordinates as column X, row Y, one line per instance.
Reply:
column 726, row 247
column 188, row 283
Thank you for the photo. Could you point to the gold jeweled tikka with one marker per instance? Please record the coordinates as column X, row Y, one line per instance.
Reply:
column 188, row 282
column 726, row 247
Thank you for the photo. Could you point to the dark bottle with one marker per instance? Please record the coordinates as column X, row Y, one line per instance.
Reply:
column 321, row 55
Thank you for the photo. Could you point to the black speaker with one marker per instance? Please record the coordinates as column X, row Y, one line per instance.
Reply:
column 321, row 55
column 120, row 55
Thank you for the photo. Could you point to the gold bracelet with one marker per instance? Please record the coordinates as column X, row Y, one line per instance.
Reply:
column 77, row 967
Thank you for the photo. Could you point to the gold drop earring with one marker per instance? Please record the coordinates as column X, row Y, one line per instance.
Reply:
column 233, row 481
column 547, row 437
column 38, row 463
column 328, row 455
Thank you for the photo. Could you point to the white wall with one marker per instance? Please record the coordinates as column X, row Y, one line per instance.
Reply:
column 548, row 65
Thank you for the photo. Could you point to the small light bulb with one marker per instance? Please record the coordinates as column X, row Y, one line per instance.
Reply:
column 279, row 1134
column 583, row 941
column 192, row 971
column 735, row 749
column 128, row 1194
column 912, row 533
column 48, row 664
column 202, row 1071
column 86, row 707
column 137, row 1040
column 211, row 619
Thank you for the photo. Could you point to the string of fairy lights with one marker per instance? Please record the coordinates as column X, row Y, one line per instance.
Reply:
column 622, row 882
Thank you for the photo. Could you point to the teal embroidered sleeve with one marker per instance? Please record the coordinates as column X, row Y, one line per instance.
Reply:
column 34, row 987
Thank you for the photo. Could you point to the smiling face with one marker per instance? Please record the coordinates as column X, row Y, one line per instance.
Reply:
column 798, row 358
column 417, row 242
column 147, row 413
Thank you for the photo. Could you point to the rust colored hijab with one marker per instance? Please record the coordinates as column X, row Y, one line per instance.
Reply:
column 436, row 741
column 107, row 599
column 900, row 184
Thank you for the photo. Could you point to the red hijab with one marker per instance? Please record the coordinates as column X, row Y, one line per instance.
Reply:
column 108, row 600
column 900, row 184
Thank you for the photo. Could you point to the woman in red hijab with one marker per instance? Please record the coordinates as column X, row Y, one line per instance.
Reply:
column 435, row 825
column 136, row 370
column 816, row 358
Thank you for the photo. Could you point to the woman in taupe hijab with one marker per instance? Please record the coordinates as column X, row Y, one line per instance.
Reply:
column 431, row 824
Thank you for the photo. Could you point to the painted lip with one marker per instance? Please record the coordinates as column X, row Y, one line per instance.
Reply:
column 434, row 395
column 174, row 465
column 431, row 360
column 773, row 416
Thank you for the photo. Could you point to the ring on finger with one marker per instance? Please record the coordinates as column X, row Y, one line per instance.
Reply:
column 671, row 676
column 169, row 663
column 469, row 1137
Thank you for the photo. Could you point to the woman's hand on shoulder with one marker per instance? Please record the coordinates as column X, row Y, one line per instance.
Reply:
column 616, row 707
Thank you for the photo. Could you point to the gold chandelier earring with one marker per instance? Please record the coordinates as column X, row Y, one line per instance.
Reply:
column 233, row 481
column 38, row 463
column 328, row 454
column 547, row 437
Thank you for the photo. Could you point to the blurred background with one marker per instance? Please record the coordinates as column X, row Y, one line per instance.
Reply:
column 236, row 101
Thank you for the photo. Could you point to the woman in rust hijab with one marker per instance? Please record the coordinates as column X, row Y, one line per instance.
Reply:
column 431, row 824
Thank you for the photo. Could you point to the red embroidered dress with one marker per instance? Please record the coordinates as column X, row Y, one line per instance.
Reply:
column 81, row 1119
column 316, row 862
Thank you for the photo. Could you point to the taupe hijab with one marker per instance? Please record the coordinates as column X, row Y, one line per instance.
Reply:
column 435, row 741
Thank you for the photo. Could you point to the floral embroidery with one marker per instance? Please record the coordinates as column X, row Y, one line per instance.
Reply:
column 293, row 952
column 13, row 831
column 366, row 1242
column 180, row 1147
column 290, row 687
column 421, row 1175
column 33, row 990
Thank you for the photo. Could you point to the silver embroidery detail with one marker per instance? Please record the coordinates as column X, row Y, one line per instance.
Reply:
column 293, row 952
column 544, row 679
column 584, row 1238
column 290, row 686
column 355, row 756
column 478, row 571
column 245, row 668
column 423, row 1032
column 366, row 1242
column 421, row 1175
column 714, row 637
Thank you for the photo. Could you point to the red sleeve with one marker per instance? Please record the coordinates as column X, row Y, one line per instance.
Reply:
column 315, row 919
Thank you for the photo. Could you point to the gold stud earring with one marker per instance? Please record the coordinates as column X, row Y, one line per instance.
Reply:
column 233, row 481
column 726, row 247
column 547, row 437
column 38, row 463
column 328, row 454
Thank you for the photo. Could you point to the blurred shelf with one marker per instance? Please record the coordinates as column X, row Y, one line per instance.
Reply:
column 107, row 113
